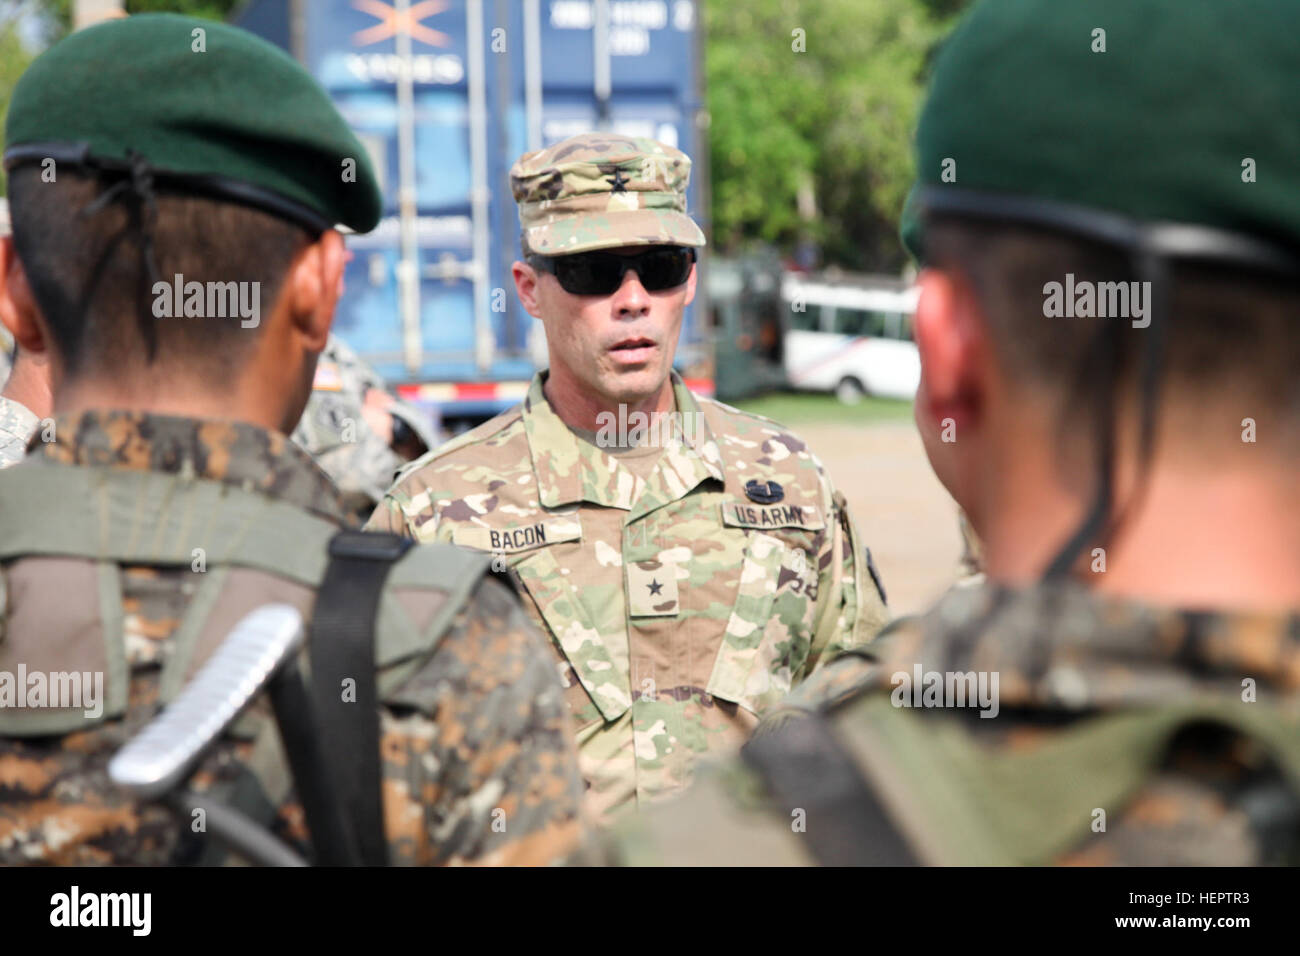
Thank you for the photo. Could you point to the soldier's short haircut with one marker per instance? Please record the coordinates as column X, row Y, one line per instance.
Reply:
column 204, row 240
column 1227, row 330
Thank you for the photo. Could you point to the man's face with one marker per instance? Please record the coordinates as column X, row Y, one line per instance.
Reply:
column 618, row 347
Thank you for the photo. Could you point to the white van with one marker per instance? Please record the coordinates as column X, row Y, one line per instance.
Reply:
column 850, row 336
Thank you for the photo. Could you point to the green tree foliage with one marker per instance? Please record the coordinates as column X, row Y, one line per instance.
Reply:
column 58, row 13
column 212, row 9
column 14, row 58
column 833, row 123
column 13, row 61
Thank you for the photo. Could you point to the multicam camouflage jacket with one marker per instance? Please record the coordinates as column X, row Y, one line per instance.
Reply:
column 131, row 545
column 1117, row 734
column 334, row 431
column 17, row 425
column 678, row 607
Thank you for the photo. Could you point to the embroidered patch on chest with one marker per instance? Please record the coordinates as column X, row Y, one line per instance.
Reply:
column 652, row 589
column 764, row 492
column 738, row 514
column 525, row 537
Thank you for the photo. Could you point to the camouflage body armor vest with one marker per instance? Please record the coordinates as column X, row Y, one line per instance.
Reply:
column 66, row 536
column 889, row 787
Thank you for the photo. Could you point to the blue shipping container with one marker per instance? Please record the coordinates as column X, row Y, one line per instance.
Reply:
column 446, row 94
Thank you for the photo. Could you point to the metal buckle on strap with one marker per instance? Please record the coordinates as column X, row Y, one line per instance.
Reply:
column 369, row 545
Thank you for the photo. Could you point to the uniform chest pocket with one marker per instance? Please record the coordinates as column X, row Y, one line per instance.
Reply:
column 769, row 631
column 594, row 688
column 576, row 635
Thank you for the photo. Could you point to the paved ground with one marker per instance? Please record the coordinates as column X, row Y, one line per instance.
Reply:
column 906, row 517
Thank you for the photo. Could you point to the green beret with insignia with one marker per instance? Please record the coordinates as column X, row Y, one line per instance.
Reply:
column 1165, row 127
column 601, row 191
column 200, row 106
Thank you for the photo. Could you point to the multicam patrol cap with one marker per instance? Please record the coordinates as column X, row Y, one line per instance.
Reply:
column 602, row 191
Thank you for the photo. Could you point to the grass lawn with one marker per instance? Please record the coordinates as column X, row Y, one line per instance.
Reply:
column 802, row 408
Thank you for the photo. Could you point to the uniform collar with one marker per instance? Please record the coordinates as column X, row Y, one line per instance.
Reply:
column 233, row 453
column 569, row 470
column 1064, row 647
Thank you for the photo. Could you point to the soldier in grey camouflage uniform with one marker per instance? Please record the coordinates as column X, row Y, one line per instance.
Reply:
column 688, row 575
column 1123, row 687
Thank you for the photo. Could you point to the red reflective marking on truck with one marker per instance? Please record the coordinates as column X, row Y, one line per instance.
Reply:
column 476, row 390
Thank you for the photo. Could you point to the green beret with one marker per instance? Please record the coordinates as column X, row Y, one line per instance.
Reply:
column 1141, row 110
column 209, row 108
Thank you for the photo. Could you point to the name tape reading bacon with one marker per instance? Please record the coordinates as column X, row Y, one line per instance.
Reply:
column 540, row 534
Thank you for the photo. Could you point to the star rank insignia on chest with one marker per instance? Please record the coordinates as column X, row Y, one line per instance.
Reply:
column 617, row 182
column 652, row 589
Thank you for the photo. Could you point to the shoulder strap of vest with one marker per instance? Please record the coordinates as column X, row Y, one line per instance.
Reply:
column 953, row 800
column 806, row 768
column 331, row 731
column 147, row 517
column 342, row 649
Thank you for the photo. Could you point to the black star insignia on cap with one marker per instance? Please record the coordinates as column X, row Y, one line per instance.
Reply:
column 654, row 586
column 618, row 182
column 763, row 492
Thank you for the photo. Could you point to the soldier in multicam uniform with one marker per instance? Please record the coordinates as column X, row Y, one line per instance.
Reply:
column 688, row 575
column 352, row 427
column 170, row 503
column 1146, row 708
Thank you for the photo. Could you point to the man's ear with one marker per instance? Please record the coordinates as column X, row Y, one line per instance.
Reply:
column 950, row 339
column 526, row 280
column 690, row 284
column 313, row 287
column 18, row 310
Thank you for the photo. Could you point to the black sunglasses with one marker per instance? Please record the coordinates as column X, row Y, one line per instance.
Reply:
column 601, row 273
